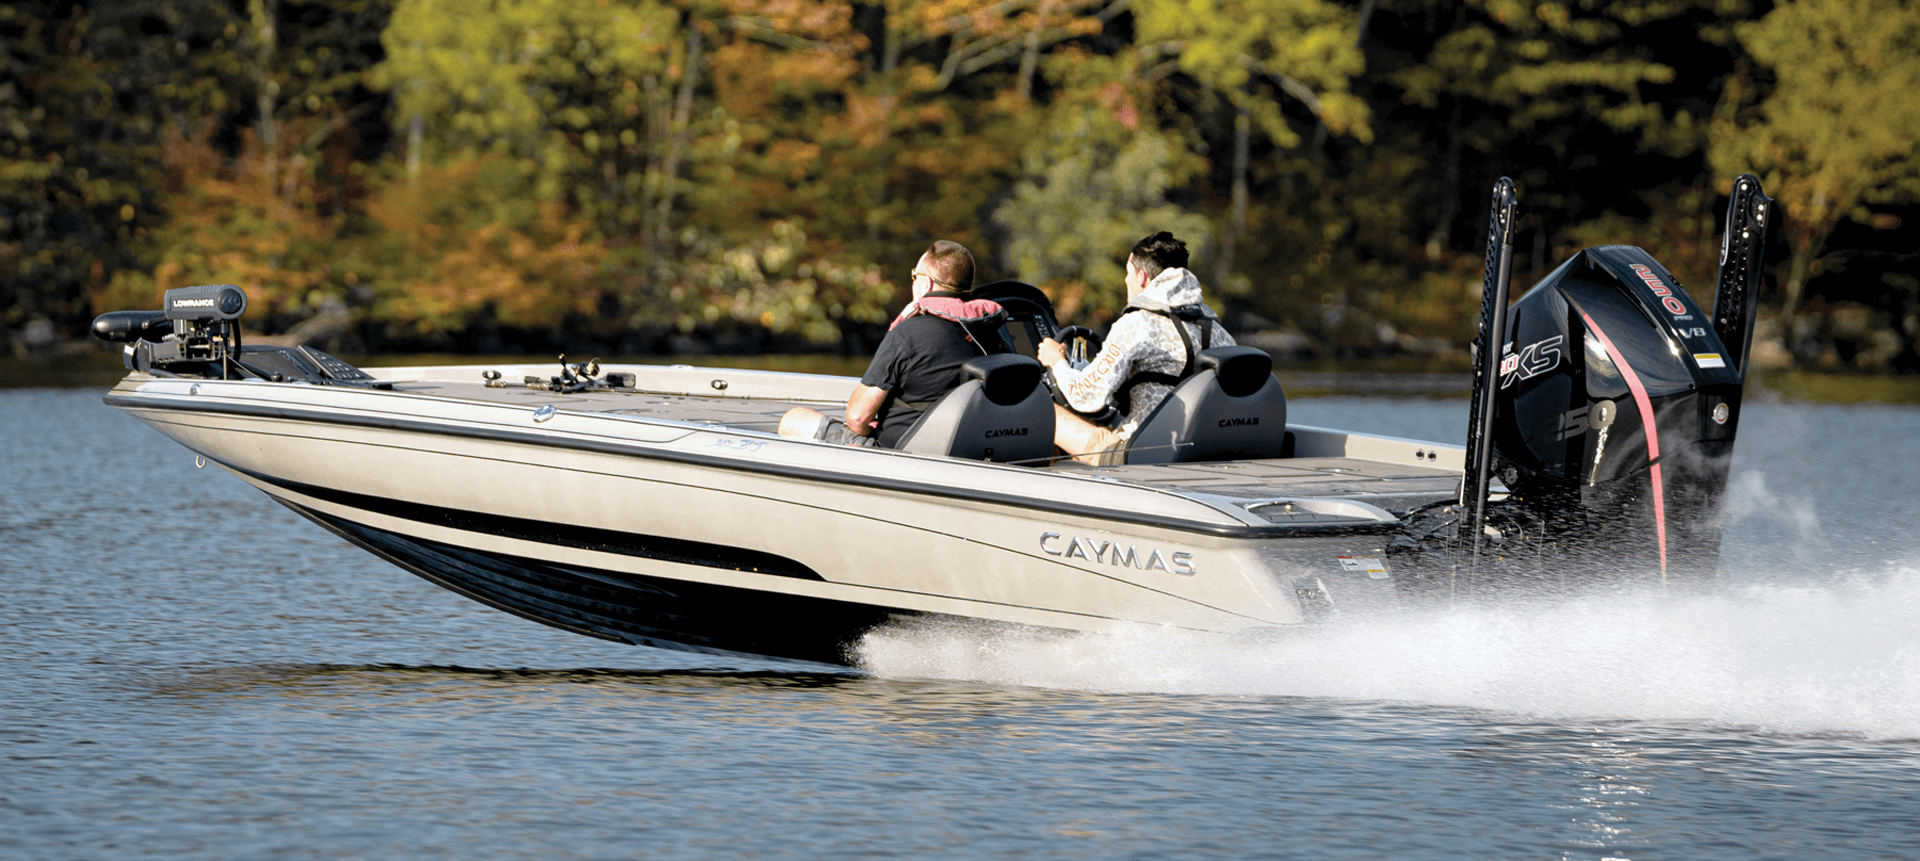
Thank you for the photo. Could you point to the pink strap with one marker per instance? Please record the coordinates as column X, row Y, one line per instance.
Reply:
column 1645, row 404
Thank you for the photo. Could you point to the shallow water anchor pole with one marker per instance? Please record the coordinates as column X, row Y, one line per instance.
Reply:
column 1742, row 263
column 1478, row 475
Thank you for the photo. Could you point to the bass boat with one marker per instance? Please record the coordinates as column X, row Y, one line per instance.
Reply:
column 656, row 505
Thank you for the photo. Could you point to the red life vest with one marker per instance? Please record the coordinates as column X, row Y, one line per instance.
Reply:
column 966, row 312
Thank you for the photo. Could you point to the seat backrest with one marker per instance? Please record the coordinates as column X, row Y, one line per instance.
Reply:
column 1231, row 409
column 1000, row 413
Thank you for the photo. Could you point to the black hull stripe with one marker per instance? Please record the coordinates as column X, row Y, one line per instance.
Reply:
column 631, row 608
column 541, row 532
column 657, row 547
column 838, row 479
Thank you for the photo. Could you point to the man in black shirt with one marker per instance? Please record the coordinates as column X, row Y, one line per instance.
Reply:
column 918, row 361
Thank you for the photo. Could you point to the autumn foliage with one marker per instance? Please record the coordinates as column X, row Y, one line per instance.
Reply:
column 639, row 175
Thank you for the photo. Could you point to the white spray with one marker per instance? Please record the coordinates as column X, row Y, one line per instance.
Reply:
column 1842, row 658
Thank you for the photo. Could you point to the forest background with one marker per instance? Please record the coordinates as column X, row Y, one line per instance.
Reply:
column 629, row 177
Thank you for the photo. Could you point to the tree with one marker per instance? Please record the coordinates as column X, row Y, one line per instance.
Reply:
column 84, row 99
column 1253, row 52
column 1834, row 126
column 1566, row 97
column 982, row 35
column 1093, row 183
column 580, row 94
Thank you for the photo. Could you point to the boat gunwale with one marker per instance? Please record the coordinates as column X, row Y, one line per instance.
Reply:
column 652, row 450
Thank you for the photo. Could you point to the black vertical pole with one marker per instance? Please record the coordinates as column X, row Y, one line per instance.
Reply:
column 1477, row 477
column 1742, row 263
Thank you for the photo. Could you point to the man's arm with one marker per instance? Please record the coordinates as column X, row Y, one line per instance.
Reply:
column 1050, row 351
column 1088, row 388
column 863, row 409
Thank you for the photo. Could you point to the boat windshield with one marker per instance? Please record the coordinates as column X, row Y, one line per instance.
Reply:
column 1029, row 314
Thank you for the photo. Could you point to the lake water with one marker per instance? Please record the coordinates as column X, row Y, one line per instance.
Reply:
column 191, row 671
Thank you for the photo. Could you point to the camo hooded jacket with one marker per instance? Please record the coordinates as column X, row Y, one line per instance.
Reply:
column 1142, row 342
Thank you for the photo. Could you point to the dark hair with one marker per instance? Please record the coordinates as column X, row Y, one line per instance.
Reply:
column 1158, row 253
column 952, row 265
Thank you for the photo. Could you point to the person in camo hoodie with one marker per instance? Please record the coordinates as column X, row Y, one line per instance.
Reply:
column 1149, row 349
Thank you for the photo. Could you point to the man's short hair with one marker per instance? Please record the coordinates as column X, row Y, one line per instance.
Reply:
column 951, row 264
column 1158, row 253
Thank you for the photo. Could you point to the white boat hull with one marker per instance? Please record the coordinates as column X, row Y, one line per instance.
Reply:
column 683, row 535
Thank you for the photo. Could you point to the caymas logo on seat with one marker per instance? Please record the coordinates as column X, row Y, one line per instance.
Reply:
column 1111, row 554
column 994, row 434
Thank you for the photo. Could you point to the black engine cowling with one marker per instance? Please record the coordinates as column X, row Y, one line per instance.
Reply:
column 1615, row 416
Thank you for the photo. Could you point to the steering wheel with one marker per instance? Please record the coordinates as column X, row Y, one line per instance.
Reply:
column 1082, row 344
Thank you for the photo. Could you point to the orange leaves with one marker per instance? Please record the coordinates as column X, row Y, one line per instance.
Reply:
column 739, row 86
column 814, row 69
column 827, row 22
column 1116, row 99
column 532, row 278
column 816, row 44
column 407, row 209
column 250, row 223
column 991, row 19
column 869, row 120
column 451, row 251
column 794, row 158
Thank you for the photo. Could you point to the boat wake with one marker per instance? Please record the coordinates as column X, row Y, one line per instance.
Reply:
column 1838, row 657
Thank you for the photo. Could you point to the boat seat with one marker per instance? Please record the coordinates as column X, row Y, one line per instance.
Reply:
column 1231, row 409
column 1000, row 413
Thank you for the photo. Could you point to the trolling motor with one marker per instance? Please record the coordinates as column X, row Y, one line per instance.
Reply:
column 197, row 334
column 1607, row 416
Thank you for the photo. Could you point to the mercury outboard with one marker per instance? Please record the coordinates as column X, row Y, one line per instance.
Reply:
column 1608, row 418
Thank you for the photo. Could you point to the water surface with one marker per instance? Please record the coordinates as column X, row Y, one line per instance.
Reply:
column 194, row 671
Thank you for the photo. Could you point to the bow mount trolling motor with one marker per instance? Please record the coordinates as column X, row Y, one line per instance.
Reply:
column 197, row 334
column 197, row 329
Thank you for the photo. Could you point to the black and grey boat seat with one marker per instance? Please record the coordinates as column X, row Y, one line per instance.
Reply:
column 1232, row 408
column 1001, row 413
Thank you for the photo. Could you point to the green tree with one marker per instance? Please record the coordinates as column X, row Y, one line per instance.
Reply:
column 1257, row 53
column 1094, row 181
column 1833, row 128
column 581, row 95
column 697, row 138
column 1563, row 96
column 84, row 99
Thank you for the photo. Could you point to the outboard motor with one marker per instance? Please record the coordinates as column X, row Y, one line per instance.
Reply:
column 1608, row 414
column 1616, row 409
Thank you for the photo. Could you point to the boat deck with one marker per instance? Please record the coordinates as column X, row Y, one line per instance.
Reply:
column 1371, row 469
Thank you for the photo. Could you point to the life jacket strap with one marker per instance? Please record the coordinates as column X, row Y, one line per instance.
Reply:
column 1123, row 397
